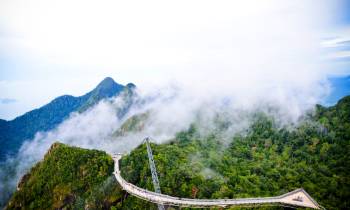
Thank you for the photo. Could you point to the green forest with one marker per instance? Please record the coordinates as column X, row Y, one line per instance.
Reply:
column 268, row 160
column 67, row 178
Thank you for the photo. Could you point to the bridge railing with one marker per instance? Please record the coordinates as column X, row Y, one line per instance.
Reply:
column 188, row 202
column 135, row 189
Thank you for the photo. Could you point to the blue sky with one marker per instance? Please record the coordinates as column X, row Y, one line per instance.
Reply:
column 50, row 48
column 344, row 15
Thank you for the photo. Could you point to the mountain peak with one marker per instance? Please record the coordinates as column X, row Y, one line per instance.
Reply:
column 106, row 82
column 106, row 88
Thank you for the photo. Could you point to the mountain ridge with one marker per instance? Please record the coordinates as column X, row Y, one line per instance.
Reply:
column 47, row 117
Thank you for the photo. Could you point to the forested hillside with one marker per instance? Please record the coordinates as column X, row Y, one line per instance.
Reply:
column 68, row 177
column 265, row 161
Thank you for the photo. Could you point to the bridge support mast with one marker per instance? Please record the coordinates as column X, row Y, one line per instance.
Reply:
column 153, row 171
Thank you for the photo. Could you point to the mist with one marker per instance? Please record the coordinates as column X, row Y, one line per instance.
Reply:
column 211, row 47
column 170, row 110
column 235, row 61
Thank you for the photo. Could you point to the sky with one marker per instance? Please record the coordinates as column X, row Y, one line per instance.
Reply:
column 50, row 48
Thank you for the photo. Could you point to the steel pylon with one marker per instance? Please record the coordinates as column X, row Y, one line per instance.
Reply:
column 153, row 171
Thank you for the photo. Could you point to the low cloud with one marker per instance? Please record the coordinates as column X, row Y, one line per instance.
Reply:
column 171, row 109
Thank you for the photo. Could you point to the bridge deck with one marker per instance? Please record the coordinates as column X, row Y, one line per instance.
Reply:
column 296, row 198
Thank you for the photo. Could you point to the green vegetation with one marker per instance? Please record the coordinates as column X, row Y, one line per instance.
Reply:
column 68, row 178
column 265, row 161
column 133, row 124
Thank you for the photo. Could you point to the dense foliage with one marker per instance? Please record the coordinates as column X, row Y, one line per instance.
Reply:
column 134, row 124
column 13, row 133
column 267, row 160
column 68, row 178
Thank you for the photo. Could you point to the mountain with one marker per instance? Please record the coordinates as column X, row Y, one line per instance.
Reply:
column 13, row 133
column 68, row 178
column 266, row 161
column 133, row 124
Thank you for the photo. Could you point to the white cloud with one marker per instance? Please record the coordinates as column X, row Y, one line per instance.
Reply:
column 205, row 45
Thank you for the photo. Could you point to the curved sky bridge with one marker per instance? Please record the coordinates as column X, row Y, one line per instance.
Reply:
column 297, row 198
